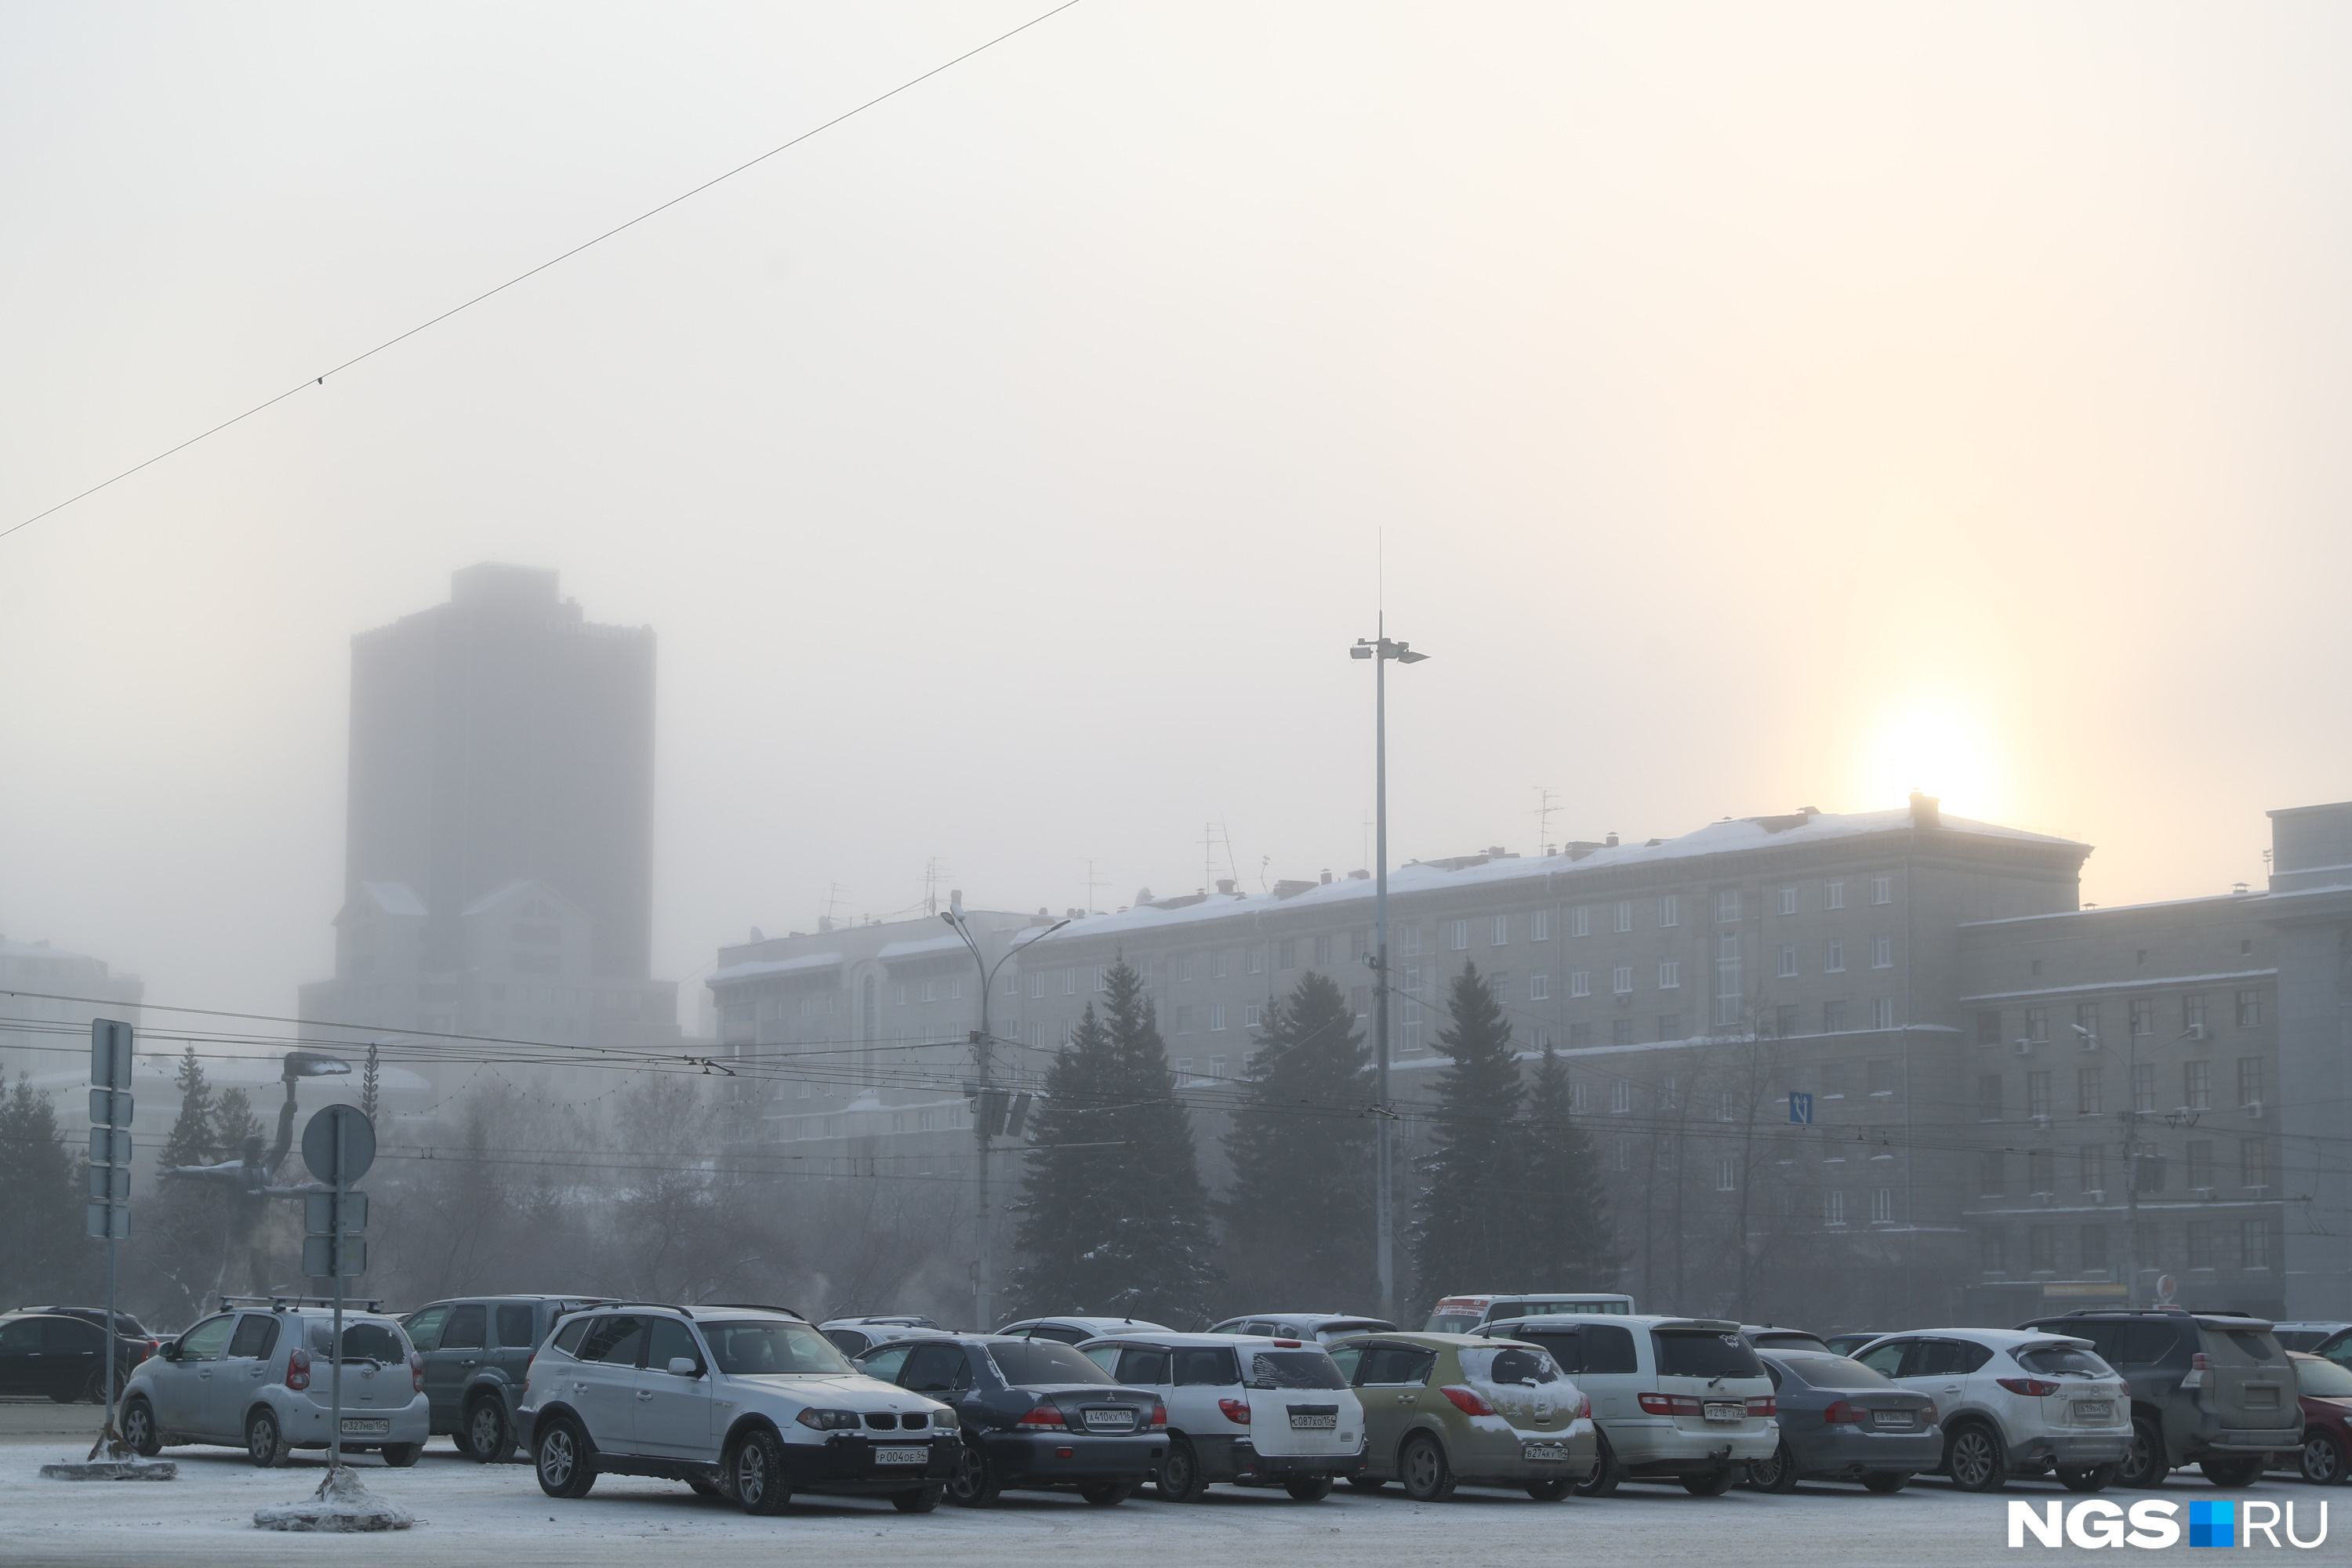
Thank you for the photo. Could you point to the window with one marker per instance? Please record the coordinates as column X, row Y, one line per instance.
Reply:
column 2040, row 1173
column 2253, row 1244
column 1254, row 1014
column 1784, row 1021
column 1621, row 1031
column 2143, row 1016
column 1183, row 1018
column 2200, row 1165
column 2250, row 1009
column 1216, row 1016
column 1256, row 959
column 1991, row 1255
column 1457, row 935
column 1217, row 1069
column 2094, row 1242
column 2037, row 1025
column 1788, row 900
column 1579, row 983
column 1576, row 1096
column 1670, row 911
column 1579, row 921
column 1620, row 979
column 1670, row 1025
column 1621, row 1098
column 1037, row 984
column 1726, row 980
column 1832, row 1017
column 1832, row 895
column 2037, row 1094
column 1835, row 963
column 897, row 1121
column 1882, row 889
column 2250, row 1081
column 1538, row 987
column 1988, row 1097
column 1217, row 966
column 1881, row 1012
column 1579, row 1037
column 1727, row 905
column 1622, row 1153
column 1881, row 952
column 1723, row 1110
column 1624, row 914
column 2192, row 1016
column 1322, row 953
column 2042, row 1248
column 1498, row 931
column 1670, row 974
column 2253, row 1163
column 1833, row 1207
column 2201, row 1244
column 2143, row 1086
column 1833, row 1080
column 1183, row 1069
column 2087, row 1092
column 1882, row 1075
column 1788, row 962
column 1539, row 926
column 1882, row 1205
column 1992, row 1172
column 1989, row 1026
column 1498, row 986
column 1412, row 1010
column 2148, row 1240
column 2091, row 1165
column 1286, row 951
column 2197, row 1085
column 1667, row 1100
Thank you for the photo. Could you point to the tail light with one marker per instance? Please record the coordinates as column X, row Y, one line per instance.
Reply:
column 1158, row 1422
column 150, row 1348
column 1583, row 1406
column 1289, row 1344
column 2199, row 1363
column 298, row 1370
column 1928, row 1418
column 1468, row 1401
column 1846, row 1413
column 1042, row 1414
column 1671, row 1405
column 416, row 1371
column 1236, row 1411
column 2032, row 1387
column 1767, row 1406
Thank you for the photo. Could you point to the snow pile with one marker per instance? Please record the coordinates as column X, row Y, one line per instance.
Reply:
column 340, row 1504
column 132, row 1469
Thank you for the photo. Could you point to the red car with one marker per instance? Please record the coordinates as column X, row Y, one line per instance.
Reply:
column 2326, row 1390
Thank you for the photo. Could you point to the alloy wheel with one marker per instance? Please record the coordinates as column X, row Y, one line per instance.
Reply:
column 1976, row 1462
column 2322, row 1459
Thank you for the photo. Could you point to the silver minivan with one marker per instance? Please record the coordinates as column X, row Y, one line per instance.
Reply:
column 1243, row 1408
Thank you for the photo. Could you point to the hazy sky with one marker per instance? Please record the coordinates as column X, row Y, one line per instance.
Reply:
column 1762, row 406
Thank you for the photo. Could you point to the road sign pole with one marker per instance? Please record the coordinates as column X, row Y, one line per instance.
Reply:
column 335, row 1257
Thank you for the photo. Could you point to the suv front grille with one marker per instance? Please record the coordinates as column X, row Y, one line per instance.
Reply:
column 882, row 1422
column 913, row 1419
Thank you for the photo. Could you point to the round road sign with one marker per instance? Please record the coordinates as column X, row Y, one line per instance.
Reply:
column 2166, row 1288
column 358, row 1141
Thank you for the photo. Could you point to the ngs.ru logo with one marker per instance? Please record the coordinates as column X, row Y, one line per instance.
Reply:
column 2222, row 1521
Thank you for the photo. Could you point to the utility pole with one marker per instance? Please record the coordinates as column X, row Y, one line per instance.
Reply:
column 1381, row 650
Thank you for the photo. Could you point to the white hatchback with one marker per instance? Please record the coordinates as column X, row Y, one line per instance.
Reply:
column 2015, row 1402
column 1254, row 1410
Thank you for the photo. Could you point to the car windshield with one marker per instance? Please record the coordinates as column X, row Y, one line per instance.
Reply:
column 379, row 1343
column 752, row 1349
column 1705, row 1353
column 1833, row 1372
column 1293, row 1369
column 2062, row 1361
column 1036, row 1363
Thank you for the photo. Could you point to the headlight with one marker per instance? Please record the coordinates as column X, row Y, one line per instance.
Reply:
column 946, row 1419
column 828, row 1420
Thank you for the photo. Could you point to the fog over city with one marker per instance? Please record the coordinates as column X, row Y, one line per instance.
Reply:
column 1611, row 692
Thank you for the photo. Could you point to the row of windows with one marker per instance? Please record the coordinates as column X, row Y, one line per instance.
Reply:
column 2035, row 1023
column 2091, row 1088
column 2089, row 1166
column 2198, row 1244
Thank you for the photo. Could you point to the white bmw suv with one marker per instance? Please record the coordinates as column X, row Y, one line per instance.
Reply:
column 747, row 1403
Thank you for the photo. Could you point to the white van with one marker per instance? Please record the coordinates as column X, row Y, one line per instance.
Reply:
column 1464, row 1314
column 1676, row 1399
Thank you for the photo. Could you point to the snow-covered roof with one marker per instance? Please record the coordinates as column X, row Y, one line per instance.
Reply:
column 926, row 948
column 757, row 967
column 1730, row 837
column 394, row 899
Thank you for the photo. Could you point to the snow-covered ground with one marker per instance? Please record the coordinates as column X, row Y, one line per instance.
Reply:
column 469, row 1513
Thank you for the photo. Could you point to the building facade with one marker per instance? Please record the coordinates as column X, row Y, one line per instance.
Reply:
column 53, row 996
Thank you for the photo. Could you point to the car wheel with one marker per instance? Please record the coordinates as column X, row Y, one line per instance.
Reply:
column 974, row 1483
column 1309, row 1488
column 485, row 1437
column 1777, row 1474
column 1107, row 1494
column 1607, row 1473
column 1552, row 1490
column 1421, row 1467
column 2088, row 1478
column 139, row 1429
column 2232, row 1473
column 1713, row 1483
column 2145, row 1462
column 263, row 1441
column 922, row 1500
column 401, row 1456
column 1365, row 1484
column 1974, row 1460
column 1886, row 1483
column 758, row 1471
column 560, row 1455
column 2323, row 1459
column 1180, row 1474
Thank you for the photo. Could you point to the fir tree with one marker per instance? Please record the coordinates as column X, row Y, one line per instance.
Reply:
column 1165, row 1223
column 370, row 1085
column 41, row 1223
column 1572, row 1246
column 190, row 1141
column 1298, row 1219
column 1470, row 1233
column 1066, row 1211
column 234, row 1122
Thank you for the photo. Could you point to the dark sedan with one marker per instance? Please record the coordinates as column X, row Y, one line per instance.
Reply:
column 1035, row 1415
column 1840, row 1421
column 62, row 1353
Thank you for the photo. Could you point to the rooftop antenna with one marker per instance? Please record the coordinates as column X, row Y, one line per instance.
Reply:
column 835, row 893
column 1544, row 808
column 1093, row 882
column 933, row 871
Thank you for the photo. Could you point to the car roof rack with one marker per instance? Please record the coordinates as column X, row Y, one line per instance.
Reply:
column 279, row 1303
column 755, row 1307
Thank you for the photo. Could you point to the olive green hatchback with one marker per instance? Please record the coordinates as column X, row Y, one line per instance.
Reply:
column 1448, row 1410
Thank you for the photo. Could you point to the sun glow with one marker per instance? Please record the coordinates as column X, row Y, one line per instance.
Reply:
column 1940, row 748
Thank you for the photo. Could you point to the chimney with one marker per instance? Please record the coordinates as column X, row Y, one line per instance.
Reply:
column 1925, row 812
column 1611, row 841
column 1225, row 885
column 1327, row 874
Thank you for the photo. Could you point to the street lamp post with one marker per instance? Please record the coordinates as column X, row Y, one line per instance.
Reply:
column 984, row 1046
column 1381, row 650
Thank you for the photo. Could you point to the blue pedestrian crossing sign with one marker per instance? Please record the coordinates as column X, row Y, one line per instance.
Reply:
column 1801, row 1108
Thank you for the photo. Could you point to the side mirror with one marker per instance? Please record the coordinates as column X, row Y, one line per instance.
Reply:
column 171, row 1349
column 685, row 1366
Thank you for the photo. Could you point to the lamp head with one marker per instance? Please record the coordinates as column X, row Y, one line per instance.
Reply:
column 1362, row 651
column 1405, row 655
column 314, row 1063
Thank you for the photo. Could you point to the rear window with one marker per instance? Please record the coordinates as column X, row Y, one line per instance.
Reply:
column 2239, row 1347
column 1787, row 1342
column 1030, row 1363
column 1293, row 1369
column 379, row 1342
column 1511, row 1365
column 1833, row 1372
column 2062, row 1361
column 1698, row 1352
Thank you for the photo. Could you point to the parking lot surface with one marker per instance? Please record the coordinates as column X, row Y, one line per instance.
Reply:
column 469, row 1513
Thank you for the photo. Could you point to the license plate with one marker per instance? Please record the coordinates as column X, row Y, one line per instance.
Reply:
column 2094, row 1410
column 1893, row 1418
column 2262, row 1399
column 1110, row 1420
column 359, row 1426
column 1543, row 1451
column 1726, row 1412
column 902, row 1454
column 1301, row 1421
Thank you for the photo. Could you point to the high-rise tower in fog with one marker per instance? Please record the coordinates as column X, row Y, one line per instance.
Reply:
column 499, row 859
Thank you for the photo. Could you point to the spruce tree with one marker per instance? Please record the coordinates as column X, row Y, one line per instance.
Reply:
column 1298, row 1218
column 41, row 1256
column 190, row 1141
column 234, row 1122
column 1573, row 1242
column 1473, row 1214
column 1066, row 1210
column 1167, row 1240
column 370, row 1085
